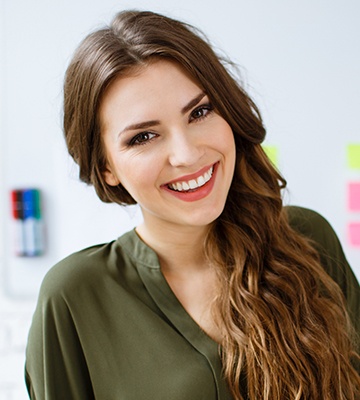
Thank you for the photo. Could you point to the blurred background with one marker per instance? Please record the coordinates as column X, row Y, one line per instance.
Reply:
column 300, row 61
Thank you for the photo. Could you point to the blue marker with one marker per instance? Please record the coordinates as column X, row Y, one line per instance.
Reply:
column 32, row 222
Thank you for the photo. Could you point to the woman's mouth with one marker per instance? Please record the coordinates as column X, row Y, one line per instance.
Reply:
column 193, row 187
column 192, row 184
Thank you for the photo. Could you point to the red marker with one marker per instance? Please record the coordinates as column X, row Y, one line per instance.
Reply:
column 18, row 223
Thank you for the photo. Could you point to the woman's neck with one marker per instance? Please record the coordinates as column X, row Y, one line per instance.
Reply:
column 191, row 278
column 179, row 248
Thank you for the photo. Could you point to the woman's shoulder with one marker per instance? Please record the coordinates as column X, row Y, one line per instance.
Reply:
column 315, row 227
column 92, row 269
column 312, row 225
column 323, row 237
column 84, row 266
column 306, row 220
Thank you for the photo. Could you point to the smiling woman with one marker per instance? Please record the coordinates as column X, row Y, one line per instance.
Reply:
column 221, row 293
column 185, row 140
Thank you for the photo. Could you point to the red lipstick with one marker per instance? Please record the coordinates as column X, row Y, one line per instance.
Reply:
column 197, row 193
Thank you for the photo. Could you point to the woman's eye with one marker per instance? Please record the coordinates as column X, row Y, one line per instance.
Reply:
column 201, row 112
column 141, row 138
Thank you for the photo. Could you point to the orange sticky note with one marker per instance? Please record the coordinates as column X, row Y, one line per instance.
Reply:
column 354, row 196
column 354, row 234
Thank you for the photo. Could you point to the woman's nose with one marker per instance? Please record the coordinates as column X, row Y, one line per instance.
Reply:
column 185, row 149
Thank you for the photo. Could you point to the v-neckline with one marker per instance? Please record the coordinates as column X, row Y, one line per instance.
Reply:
column 148, row 266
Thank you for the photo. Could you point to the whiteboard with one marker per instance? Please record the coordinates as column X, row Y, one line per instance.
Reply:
column 300, row 61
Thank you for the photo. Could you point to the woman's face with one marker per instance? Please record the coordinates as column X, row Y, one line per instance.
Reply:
column 167, row 146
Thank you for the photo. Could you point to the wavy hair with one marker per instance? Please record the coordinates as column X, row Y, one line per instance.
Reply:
column 285, row 329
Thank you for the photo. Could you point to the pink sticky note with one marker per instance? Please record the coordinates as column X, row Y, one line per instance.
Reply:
column 354, row 233
column 354, row 196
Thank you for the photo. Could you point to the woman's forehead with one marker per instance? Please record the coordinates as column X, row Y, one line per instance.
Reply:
column 150, row 87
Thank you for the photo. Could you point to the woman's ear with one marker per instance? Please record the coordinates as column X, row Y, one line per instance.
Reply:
column 110, row 178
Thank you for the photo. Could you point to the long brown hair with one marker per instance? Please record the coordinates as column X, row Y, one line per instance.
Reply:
column 280, row 331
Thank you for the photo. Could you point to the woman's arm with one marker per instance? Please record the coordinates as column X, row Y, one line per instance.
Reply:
column 55, row 363
column 315, row 227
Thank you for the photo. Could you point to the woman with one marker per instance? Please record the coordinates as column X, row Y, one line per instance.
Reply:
column 221, row 292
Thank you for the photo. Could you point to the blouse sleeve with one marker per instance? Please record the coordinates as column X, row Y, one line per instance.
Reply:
column 315, row 227
column 55, row 363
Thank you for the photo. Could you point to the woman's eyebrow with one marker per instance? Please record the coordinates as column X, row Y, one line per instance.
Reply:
column 148, row 124
column 140, row 125
column 192, row 103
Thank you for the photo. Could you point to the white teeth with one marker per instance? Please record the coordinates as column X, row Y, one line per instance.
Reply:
column 185, row 186
column 200, row 180
column 193, row 183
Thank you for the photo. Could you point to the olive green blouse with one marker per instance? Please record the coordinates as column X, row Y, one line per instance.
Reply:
column 107, row 325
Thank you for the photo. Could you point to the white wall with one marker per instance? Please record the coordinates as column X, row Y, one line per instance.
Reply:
column 300, row 61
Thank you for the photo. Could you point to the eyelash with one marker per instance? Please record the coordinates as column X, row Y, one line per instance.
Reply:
column 134, row 140
column 208, row 108
column 205, row 107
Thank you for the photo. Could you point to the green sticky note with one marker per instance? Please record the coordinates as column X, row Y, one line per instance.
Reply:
column 353, row 156
column 273, row 153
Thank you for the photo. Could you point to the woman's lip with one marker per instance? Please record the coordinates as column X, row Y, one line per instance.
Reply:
column 195, row 194
column 186, row 178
